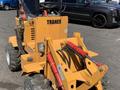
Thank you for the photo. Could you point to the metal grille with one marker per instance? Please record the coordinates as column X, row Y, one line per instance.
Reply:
column 32, row 33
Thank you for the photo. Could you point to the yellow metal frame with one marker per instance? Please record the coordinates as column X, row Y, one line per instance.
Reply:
column 52, row 33
column 89, row 77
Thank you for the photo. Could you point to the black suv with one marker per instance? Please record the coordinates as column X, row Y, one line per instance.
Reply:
column 98, row 12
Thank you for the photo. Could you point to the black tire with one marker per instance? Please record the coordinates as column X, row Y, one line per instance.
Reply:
column 99, row 21
column 37, row 82
column 12, row 58
column 7, row 7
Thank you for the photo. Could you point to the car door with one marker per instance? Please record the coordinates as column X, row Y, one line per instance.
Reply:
column 78, row 9
column 82, row 9
column 69, row 10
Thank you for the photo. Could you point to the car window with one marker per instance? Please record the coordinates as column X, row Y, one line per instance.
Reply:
column 81, row 1
column 69, row 1
column 98, row 1
column 41, row 1
column 50, row 0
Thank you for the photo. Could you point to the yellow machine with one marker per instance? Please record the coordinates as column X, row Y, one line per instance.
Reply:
column 50, row 60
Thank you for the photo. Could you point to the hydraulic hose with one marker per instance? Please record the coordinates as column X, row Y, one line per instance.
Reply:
column 54, row 70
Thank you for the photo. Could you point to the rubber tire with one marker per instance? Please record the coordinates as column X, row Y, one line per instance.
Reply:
column 96, row 16
column 37, row 82
column 7, row 7
column 13, row 61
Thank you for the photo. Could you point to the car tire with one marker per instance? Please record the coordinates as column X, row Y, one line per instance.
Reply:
column 99, row 21
column 13, row 61
column 37, row 82
column 7, row 7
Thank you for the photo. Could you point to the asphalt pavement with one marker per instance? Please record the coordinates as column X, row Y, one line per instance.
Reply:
column 106, row 42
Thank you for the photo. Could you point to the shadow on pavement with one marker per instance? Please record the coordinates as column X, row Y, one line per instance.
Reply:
column 80, row 22
column 114, row 26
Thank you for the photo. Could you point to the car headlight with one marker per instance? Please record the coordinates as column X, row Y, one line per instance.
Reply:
column 114, row 12
column 111, row 8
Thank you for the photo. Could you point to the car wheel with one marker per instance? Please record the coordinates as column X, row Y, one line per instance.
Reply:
column 6, row 7
column 12, row 58
column 37, row 82
column 99, row 21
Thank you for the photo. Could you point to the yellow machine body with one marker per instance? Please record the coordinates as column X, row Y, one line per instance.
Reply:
column 72, row 72
column 52, row 31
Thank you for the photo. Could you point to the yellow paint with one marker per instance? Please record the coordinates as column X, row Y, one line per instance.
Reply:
column 54, row 36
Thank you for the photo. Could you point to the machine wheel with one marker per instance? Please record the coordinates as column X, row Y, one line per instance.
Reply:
column 99, row 21
column 37, row 82
column 6, row 6
column 12, row 58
